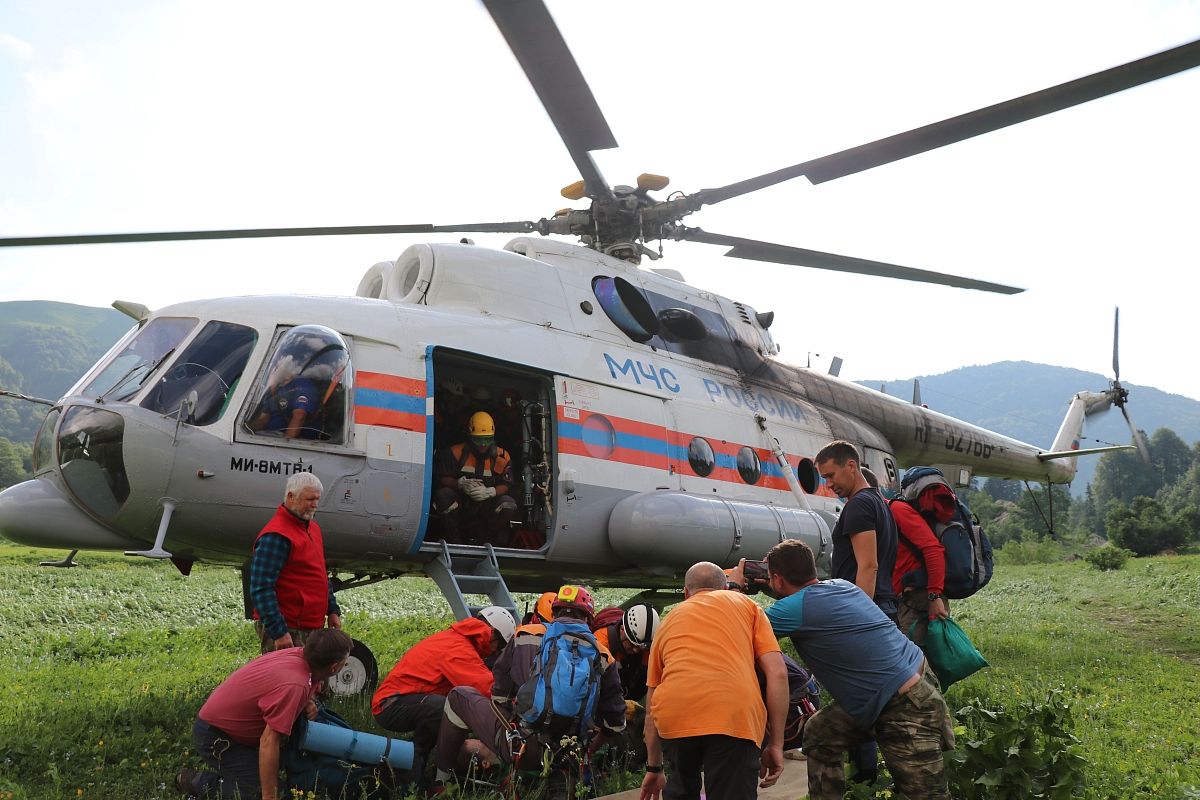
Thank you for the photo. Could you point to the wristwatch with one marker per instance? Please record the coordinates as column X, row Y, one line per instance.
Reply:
column 654, row 768
column 934, row 596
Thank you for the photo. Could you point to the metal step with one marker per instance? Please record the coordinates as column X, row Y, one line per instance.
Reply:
column 460, row 574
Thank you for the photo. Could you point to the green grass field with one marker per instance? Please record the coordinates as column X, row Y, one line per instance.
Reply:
column 105, row 665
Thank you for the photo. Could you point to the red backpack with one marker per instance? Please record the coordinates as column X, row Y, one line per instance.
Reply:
column 607, row 616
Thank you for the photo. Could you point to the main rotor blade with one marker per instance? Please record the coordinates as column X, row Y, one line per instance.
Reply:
column 782, row 254
column 973, row 123
column 541, row 51
column 264, row 233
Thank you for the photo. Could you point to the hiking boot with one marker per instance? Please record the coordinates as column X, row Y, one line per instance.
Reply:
column 185, row 782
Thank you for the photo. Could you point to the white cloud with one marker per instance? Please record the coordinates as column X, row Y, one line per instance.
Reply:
column 64, row 83
column 19, row 49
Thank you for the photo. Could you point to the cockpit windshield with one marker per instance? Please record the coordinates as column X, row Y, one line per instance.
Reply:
column 127, row 373
column 200, row 383
column 305, row 387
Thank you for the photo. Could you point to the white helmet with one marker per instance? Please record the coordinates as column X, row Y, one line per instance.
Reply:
column 639, row 624
column 501, row 620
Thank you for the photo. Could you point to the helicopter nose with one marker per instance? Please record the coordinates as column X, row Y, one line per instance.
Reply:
column 36, row 513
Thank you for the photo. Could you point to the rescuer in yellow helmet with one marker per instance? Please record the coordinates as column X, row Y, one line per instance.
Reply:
column 471, row 503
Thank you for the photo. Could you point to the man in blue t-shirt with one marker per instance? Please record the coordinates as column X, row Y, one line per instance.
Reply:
column 879, row 681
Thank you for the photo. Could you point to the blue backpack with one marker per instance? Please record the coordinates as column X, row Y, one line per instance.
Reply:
column 969, row 561
column 559, row 698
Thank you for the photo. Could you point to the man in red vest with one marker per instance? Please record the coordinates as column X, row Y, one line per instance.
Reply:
column 289, row 585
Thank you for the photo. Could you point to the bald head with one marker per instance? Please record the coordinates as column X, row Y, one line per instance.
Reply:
column 703, row 575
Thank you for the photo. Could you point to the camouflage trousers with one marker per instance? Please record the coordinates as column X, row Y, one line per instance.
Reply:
column 912, row 731
column 267, row 644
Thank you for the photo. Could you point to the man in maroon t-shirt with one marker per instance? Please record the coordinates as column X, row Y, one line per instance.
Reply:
column 242, row 726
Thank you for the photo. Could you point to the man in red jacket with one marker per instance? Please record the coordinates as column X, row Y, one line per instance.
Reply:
column 920, row 572
column 289, row 584
column 412, row 696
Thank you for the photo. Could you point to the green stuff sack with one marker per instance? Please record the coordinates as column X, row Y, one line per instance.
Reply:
column 950, row 652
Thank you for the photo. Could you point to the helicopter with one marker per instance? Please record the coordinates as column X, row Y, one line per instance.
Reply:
column 651, row 421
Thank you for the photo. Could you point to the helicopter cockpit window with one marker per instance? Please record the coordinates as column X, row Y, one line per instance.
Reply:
column 43, row 446
column 129, row 370
column 200, row 383
column 305, row 388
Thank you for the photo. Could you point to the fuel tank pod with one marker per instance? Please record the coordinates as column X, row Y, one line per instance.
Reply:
column 681, row 528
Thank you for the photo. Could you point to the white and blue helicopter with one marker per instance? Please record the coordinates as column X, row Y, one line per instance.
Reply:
column 650, row 421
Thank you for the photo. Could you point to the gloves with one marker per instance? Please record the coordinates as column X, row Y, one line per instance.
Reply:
column 481, row 492
column 474, row 489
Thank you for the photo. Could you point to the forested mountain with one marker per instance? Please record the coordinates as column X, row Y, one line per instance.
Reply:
column 44, row 348
column 1027, row 401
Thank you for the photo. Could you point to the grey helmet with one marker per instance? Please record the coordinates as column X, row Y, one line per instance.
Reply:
column 501, row 620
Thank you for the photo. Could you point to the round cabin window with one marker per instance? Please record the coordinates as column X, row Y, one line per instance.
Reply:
column 599, row 436
column 806, row 474
column 701, row 457
column 748, row 465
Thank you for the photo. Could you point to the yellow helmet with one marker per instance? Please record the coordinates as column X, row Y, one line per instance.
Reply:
column 481, row 425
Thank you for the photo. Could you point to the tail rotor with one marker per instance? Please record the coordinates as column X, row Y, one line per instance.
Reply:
column 1118, row 395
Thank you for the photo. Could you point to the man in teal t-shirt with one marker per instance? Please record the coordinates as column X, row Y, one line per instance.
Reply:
column 880, row 684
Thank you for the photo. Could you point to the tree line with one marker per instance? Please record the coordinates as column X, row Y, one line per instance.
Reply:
column 1146, row 508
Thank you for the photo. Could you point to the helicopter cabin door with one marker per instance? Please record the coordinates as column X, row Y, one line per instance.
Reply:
column 612, row 443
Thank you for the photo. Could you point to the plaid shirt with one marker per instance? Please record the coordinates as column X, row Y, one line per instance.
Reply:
column 270, row 554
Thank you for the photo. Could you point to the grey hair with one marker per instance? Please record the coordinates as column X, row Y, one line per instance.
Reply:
column 299, row 481
column 704, row 575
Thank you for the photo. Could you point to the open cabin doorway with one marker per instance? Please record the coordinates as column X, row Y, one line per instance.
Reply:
column 520, row 403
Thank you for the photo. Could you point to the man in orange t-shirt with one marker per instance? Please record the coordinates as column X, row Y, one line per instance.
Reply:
column 705, row 713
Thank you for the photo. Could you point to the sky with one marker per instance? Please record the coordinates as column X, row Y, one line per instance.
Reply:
column 178, row 115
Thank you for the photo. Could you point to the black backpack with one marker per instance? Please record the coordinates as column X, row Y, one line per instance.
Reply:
column 969, row 561
column 804, row 699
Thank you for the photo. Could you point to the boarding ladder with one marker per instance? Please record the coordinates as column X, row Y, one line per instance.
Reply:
column 459, row 574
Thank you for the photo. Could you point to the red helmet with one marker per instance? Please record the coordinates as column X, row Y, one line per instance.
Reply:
column 575, row 597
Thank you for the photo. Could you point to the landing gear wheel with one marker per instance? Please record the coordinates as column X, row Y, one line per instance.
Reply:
column 360, row 674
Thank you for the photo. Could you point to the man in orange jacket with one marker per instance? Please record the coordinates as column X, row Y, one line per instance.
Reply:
column 412, row 696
